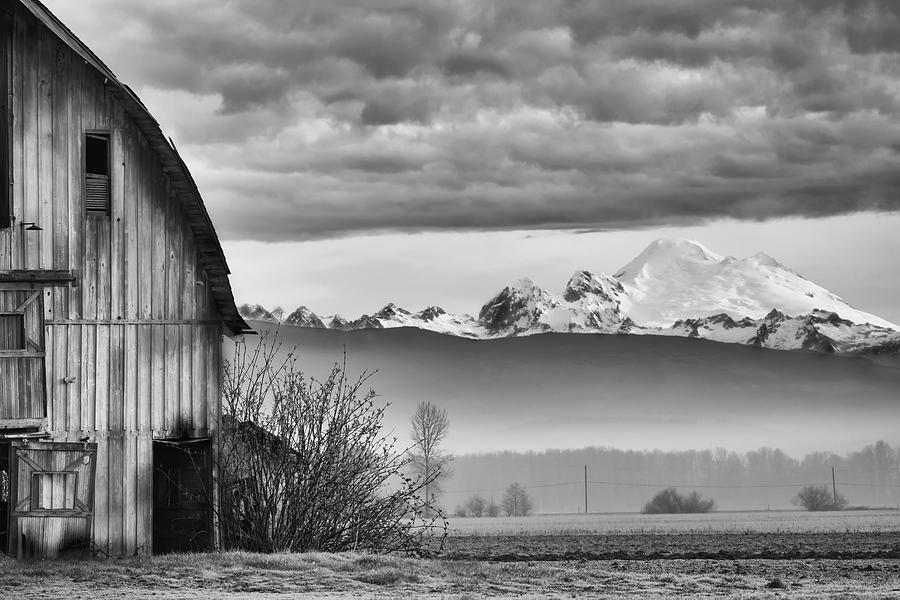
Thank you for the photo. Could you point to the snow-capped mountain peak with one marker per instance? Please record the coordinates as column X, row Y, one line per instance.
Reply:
column 585, row 283
column 256, row 312
column 431, row 313
column 392, row 311
column 679, row 279
column 303, row 317
column 664, row 255
column 516, row 308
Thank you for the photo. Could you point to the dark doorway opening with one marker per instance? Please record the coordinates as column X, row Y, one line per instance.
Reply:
column 182, row 493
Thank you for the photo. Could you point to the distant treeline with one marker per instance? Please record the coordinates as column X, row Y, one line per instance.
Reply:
column 624, row 480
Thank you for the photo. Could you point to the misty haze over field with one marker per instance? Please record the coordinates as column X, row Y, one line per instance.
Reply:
column 630, row 392
column 640, row 412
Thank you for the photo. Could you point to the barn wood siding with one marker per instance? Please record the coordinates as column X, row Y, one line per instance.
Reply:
column 133, row 349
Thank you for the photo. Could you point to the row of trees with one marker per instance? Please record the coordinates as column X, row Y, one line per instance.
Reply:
column 618, row 479
column 516, row 503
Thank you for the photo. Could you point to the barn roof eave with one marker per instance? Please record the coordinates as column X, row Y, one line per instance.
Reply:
column 209, row 248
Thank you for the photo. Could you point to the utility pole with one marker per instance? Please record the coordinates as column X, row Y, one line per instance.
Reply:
column 585, row 490
column 833, row 486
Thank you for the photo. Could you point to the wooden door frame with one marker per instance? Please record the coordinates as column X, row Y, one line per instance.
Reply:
column 85, row 511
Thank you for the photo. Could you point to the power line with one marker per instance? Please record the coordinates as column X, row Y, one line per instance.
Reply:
column 877, row 485
column 735, row 486
column 527, row 487
column 701, row 485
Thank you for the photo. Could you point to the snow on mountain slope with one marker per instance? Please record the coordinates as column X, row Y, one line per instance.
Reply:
column 433, row 318
column 673, row 288
column 302, row 317
column 590, row 304
column 679, row 279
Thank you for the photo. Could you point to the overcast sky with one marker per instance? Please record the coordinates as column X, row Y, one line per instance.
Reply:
column 353, row 152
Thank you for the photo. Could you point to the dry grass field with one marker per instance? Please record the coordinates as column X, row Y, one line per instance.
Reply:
column 239, row 575
column 841, row 555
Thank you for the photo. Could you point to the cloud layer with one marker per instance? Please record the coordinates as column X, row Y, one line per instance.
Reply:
column 327, row 117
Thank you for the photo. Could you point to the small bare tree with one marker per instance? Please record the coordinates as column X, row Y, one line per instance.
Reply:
column 306, row 466
column 429, row 427
column 476, row 505
column 516, row 502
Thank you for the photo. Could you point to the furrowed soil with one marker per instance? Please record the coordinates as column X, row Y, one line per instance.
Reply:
column 240, row 575
column 755, row 545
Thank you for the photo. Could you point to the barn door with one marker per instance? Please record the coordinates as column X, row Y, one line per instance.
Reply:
column 51, row 497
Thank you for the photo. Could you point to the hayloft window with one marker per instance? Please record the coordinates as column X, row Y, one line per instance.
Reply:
column 96, row 173
column 5, row 121
column 12, row 331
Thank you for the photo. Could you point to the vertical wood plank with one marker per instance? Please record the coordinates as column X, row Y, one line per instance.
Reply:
column 172, row 408
column 129, row 495
column 31, row 136
column 76, row 177
column 102, row 362
column 116, row 506
column 117, row 227
column 185, row 377
column 101, row 494
column 130, row 168
column 73, row 369
column 144, row 401
column 144, row 499
column 116, row 395
column 158, row 377
column 88, row 377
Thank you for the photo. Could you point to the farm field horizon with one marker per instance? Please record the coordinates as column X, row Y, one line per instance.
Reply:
column 755, row 521
column 779, row 535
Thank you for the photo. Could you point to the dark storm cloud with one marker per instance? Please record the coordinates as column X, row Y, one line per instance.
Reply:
column 329, row 117
column 471, row 63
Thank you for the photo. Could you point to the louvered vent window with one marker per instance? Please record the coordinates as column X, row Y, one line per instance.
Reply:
column 96, row 173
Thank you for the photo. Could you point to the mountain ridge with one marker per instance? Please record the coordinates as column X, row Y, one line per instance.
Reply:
column 674, row 287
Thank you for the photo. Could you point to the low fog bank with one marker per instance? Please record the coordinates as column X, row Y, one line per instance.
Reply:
column 576, row 391
column 624, row 480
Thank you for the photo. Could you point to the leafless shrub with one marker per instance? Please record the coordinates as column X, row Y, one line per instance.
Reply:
column 306, row 466
column 670, row 501
column 819, row 497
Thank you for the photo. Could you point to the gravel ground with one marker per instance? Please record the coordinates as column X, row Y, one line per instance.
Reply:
column 240, row 575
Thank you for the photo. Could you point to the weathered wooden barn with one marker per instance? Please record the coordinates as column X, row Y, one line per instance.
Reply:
column 114, row 297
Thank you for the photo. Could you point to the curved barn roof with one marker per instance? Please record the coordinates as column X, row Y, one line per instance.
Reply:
column 208, row 246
